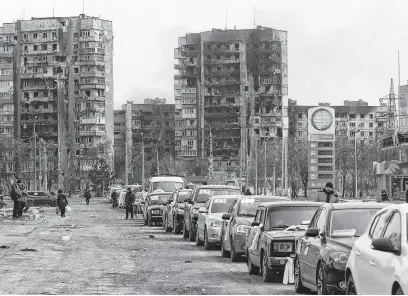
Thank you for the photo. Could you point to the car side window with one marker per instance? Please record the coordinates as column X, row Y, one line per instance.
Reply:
column 393, row 230
column 374, row 224
column 321, row 221
column 313, row 223
column 258, row 216
column 261, row 219
column 381, row 224
column 232, row 208
column 207, row 204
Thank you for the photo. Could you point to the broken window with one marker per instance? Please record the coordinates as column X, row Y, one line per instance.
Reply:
column 76, row 70
column 45, row 70
column 54, row 47
column 237, row 55
column 236, row 45
column 36, row 94
column 26, row 95
column 35, row 47
column 75, row 35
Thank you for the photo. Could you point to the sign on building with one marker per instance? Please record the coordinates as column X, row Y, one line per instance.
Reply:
column 321, row 146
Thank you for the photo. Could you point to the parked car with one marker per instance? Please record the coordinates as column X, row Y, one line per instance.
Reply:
column 210, row 220
column 40, row 198
column 324, row 250
column 378, row 262
column 198, row 198
column 273, row 235
column 153, row 207
column 173, row 214
column 238, row 220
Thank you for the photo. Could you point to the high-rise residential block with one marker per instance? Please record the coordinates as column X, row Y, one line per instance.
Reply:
column 233, row 85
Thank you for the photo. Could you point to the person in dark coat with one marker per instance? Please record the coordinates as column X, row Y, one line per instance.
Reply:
column 62, row 202
column 129, row 201
column 114, row 197
column 330, row 193
column 87, row 196
column 16, row 195
column 248, row 192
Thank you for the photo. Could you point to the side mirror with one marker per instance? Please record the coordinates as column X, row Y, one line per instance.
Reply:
column 188, row 200
column 226, row 216
column 312, row 232
column 202, row 210
column 384, row 245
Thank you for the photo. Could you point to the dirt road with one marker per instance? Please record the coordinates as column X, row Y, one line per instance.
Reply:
column 106, row 254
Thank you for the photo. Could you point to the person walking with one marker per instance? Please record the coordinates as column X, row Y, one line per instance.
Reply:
column 331, row 194
column 129, row 201
column 15, row 194
column 114, row 197
column 87, row 196
column 62, row 202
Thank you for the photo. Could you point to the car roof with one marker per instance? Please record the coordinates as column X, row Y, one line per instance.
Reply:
column 355, row 205
column 216, row 186
column 159, row 193
column 225, row 196
column 274, row 197
column 402, row 207
column 291, row 203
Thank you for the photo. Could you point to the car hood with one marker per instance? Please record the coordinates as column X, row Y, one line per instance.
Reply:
column 341, row 244
column 283, row 234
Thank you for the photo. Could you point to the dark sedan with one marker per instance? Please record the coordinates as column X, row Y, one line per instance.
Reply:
column 323, row 252
column 40, row 198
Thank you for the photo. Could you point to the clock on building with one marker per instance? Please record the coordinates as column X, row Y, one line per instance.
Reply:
column 322, row 119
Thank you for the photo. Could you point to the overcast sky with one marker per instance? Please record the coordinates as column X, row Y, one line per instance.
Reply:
column 337, row 50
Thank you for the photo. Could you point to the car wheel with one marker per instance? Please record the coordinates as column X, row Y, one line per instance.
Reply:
column 233, row 255
column 351, row 287
column 185, row 231
column 252, row 269
column 321, row 281
column 224, row 253
column 197, row 240
column 267, row 274
column 176, row 226
column 207, row 244
column 191, row 234
column 149, row 220
column 299, row 288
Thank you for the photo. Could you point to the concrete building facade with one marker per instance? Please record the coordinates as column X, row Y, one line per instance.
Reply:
column 231, row 84
column 64, row 82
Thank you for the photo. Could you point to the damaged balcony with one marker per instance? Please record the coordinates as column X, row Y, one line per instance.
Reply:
column 216, row 112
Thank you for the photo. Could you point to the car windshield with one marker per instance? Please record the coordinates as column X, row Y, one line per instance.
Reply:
column 248, row 206
column 204, row 194
column 158, row 199
column 350, row 220
column 183, row 195
column 283, row 217
column 221, row 205
column 167, row 186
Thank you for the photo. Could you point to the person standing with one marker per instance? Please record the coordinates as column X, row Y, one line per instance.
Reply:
column 248, row 192
column 331, row 194
column 62, row 202
column 114, row 197
column 87, row 196
column 15, row 194
column 129, row 201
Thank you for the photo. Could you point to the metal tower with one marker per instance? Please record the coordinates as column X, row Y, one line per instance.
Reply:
column 391, row 113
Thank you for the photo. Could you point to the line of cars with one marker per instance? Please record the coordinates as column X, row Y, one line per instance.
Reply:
column 274, row 233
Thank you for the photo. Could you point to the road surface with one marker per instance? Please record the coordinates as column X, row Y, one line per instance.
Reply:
column 106, row 254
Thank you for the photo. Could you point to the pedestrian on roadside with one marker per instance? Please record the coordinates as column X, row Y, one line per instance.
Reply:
column 15, row 194
column 87, row 196
column 114, row 197
column 129, row 201
column 331, row 195
column 62, row 202
column 248, row 192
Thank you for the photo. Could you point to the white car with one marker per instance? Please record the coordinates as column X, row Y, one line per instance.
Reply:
column 378, row 262
column 210, row 220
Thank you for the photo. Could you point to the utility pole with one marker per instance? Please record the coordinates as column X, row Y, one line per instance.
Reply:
column 126, row 163
column 265, row 166
column 211, row 156
column 355, row 163
column 143, row 163
column 45, row 167
column 256, row 164
column 157, row 156
column 35, row 156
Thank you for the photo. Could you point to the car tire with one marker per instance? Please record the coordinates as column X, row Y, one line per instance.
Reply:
column 266, row 272
column 191, row 234
column 176, row 226
column 299, row 288
column 321, row 280
column 351, row 286
column 207, row 244
column 149, row 220
column 233, row 255
column 197, row 240
column 224, row 253
column 252, row 269
column 185, row 231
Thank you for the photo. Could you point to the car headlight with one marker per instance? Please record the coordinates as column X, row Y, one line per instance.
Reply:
column 243, row 228
column 215, row 223
column 284, row 247
column 339, row 257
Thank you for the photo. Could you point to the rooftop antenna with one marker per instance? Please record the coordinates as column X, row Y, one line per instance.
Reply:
column 226, row 14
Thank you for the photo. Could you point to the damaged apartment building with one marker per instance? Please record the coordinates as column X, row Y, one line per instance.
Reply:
column 232, row 84
column 149, row 126
column 64, row 82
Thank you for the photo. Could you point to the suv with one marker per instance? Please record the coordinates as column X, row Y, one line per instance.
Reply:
column 198, row 198
column 173, row 214
column 152, row 208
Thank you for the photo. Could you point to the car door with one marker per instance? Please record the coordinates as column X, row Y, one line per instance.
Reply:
column 202, row 218
column 384, row 264
column 251, row 235
column 225, row 232
column 304, row 248
column 364, row 284
column 256, row 252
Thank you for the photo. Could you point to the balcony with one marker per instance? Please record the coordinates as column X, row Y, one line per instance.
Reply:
column 221, row 61
column 223, row 82
column 179, row 66
column 92, row 63
column 92, row 121
column 91, row 133
column 92, row 74
column 178, row 54
column 92, row 86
